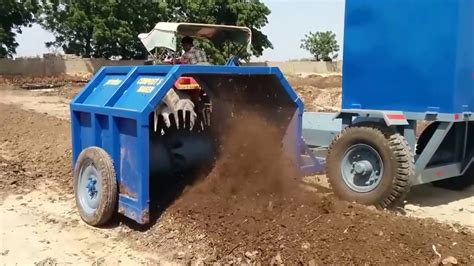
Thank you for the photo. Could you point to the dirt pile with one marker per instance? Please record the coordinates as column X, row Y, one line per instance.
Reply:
column 319, row 81
column 319, row 93
column 263, row 170
column 34, row 149
column 39, row 82
column 63, row 86
column 251, row 209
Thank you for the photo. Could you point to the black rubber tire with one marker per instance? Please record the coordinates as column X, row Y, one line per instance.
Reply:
column 397, row 157
column 457, row 183
column 108, row 201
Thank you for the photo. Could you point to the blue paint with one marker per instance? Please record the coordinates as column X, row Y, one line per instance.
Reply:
column 113, row 109
column 412, row 56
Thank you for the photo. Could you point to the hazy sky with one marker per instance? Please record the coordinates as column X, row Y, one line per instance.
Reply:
column 288, row 23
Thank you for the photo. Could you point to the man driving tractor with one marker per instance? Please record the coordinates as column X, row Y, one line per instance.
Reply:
column 187, row 96
column 192, row 55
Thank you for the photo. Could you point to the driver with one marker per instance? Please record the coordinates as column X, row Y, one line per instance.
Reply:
column 192, row 55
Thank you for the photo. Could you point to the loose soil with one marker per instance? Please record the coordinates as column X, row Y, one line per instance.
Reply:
column 248, row 209
column 319, row 93
column 34, row 149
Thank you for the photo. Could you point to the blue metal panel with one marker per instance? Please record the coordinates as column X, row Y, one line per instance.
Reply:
column 130, row 156
column 86, row 131
column 140, row 92
column 407, row 55
column 104, row 90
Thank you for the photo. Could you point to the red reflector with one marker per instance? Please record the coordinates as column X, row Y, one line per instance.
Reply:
column 457, row 116
column 440, row 173
column 396, row 117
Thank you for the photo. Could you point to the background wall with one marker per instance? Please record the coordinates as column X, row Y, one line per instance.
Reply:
column 80, row 66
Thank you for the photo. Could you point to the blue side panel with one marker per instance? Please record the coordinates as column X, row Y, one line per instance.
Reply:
column 465, row 56
column 129, row 156
column 407, row 55
column 104, row 90
column 86, row 130
column 140, row 92
column 104, row 133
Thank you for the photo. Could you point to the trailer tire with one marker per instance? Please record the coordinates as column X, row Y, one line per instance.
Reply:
column 387, row 152
column 95, row 186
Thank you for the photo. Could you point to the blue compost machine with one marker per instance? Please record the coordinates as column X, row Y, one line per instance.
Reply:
column 406, row 119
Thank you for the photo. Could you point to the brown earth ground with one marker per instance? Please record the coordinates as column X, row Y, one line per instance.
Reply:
column 242, row 212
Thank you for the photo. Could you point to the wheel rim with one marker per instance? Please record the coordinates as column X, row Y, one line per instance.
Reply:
column 362, row 168
column 89, row 188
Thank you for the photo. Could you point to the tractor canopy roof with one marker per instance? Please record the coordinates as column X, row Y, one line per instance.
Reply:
column 165, row 34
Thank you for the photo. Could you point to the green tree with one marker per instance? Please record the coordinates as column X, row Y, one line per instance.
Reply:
column 322, row 45
column 106, row 28
column 101, row 28
column 14, row 14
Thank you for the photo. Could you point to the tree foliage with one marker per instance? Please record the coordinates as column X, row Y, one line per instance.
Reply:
column 106, row 28
column 101, row 28
column 14, row 14
column 249, row 13
column 322, row 45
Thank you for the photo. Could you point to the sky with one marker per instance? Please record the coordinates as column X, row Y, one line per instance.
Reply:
column 287, row 24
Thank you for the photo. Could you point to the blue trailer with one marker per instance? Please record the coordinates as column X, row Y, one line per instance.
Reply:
column 405, row 62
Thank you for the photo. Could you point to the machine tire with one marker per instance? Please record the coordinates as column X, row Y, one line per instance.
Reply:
column 457, row 183
column 95, row 164
column 396, row 157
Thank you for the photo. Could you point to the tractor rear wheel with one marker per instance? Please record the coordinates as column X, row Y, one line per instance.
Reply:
column 95, row 186
column 370, row 165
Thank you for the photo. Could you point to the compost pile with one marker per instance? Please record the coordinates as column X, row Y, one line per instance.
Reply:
column 251, row 208
column 319, row 93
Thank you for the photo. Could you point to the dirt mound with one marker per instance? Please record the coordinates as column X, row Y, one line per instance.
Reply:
column 312, row 227
column 37, row 82
column 64, row 86
column 320, row 100
column 262, row 171
column 251, row 209
column 34, row 149
column 321, row 94
column 322, row 82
